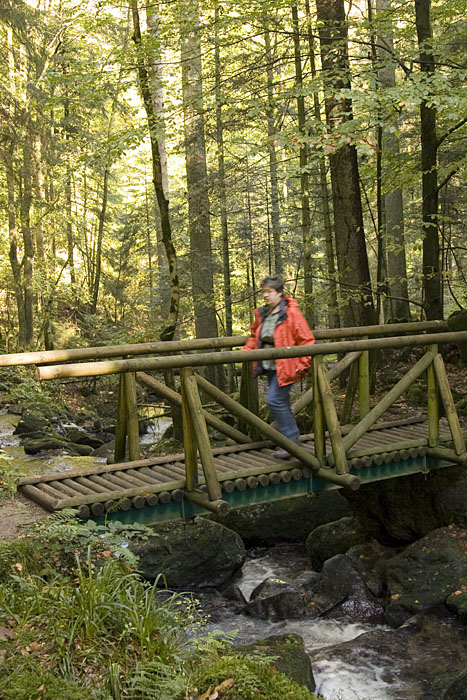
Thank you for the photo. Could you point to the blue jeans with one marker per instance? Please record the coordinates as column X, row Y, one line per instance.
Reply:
column 278, row 401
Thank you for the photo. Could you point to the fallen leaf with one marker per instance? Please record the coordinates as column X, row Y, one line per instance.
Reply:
column 5, row 633
column 225, row 685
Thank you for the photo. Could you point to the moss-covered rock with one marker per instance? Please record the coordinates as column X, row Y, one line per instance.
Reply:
column 426, row 573
column 190, row 555
column 288, row 656
column 333, row 538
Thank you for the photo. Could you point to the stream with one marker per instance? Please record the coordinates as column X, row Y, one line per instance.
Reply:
column 350, row 661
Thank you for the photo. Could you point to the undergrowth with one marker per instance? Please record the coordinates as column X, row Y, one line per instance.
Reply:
column 77, row 621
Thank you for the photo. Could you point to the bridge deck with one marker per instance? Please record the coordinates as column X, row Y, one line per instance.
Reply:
column 247, row 473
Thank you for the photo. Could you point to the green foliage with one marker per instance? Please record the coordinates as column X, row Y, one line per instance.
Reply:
column 252, row 675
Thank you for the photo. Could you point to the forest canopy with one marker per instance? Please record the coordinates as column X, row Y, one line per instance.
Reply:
column 158, row 159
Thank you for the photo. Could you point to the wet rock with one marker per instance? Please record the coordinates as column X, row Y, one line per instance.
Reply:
column 457, row 603
column 234, row 594
column 34, row 446
column 341, row 592
column 400, row 511
column 288, row 520
column 190, row 555
column 276, row 599
column 288, row 656
column 32, row 425
column 81, row 437
column 370, row 559
column 426, row 574
column 333, row 538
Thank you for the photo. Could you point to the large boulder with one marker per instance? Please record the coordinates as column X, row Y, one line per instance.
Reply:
column 288, row 520
column 370, row 559
column 426, row 573
column 333, row 538
column 32, row 425
column 341, row 592
column 191, row 555
column 276, row 599
column 399, row 511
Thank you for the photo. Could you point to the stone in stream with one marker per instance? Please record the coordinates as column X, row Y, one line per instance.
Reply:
column 33, row 446
column 333, row 538
column 276, row 599
column 81, row 437
column 32, row 425
column 426, row 574
column 370, row 559
column 190, row 556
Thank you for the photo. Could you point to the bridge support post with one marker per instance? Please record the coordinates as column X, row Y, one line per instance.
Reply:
column 249, row 399
column 332, row 421
column 448, row 401
column 200, row 434
column 432, row 402
column 132, row 416
column 190, row 444
column 318, row 415
column 120, row 429
column 364, row 383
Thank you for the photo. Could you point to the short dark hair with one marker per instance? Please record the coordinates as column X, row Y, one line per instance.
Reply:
column 274, row 281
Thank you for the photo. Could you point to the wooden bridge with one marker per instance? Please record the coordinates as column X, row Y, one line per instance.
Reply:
column 338, row 454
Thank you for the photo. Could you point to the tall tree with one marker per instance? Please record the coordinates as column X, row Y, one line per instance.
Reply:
column 429, row 144
column 352, row 257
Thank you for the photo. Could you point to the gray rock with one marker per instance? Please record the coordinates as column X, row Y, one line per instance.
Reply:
column 190, row 555
column 333, row 538
column 81, row 437
column 426, row 573
column 341, row 592
column 370, row 559
column 399, row 511
column 34, row 445
column 276, row 599
column 288, row 520
column 32, row 425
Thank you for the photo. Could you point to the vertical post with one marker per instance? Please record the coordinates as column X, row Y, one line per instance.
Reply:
column 132, row 416
column 433, row 404
column 190, row 443
column 202, row 437
column 318, row 415
column 249, row 398
column 120, row 429
column 449, row 406
column 364, row 382
column 332, row 421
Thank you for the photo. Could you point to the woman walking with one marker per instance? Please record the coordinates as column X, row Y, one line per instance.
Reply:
column 280, row 323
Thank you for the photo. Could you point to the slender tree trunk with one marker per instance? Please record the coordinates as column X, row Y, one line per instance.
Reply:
column 100, row 238
column 431, row 254
column 273, row 178
column 352, row 258
column 28, row 240
column 393, row 207
column 222, row 193
column 309, row 306
column 163, row 203
column 13, row 247
column 333, row 306
column 202, row 264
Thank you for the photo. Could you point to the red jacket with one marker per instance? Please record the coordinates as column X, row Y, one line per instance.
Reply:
column 291, row 329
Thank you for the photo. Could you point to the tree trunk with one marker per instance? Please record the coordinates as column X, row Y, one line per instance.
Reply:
column 309, row 306
column 201, row 259
column 28, row 241
column 275, row 210
column 222, row 194
column 163, row 203
column 393, row 207
column 431, row 263
column 354, row 278
column 333, row 306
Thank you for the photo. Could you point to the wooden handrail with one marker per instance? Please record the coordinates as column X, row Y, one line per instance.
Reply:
column 160, row 347
column 88, row 369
